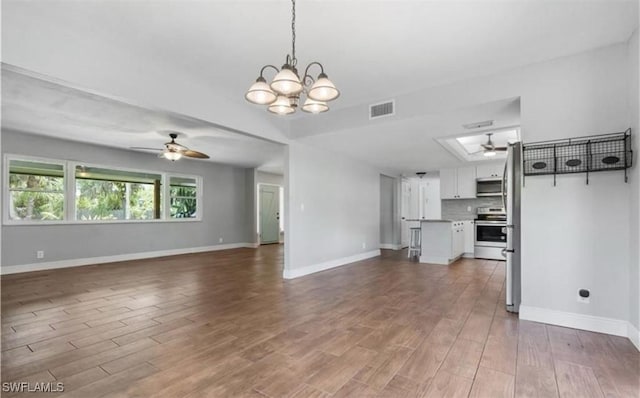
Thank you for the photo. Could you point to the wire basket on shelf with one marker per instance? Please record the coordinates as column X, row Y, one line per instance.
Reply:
column 579, row 155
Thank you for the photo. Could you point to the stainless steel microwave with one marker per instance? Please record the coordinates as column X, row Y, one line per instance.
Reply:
column 489, row 187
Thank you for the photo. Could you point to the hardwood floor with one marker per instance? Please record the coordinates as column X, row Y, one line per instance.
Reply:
column 225, row 324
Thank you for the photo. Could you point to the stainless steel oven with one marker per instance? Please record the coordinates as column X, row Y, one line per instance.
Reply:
column 490, row 233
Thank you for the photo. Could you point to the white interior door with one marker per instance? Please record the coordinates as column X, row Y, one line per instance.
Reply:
column 269, row 214
column 405, row 210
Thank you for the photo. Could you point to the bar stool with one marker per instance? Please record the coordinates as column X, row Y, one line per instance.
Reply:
column 415, row 242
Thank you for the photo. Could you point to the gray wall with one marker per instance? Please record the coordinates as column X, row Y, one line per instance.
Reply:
column 225, row 212
column 387, row 199
column 269, row 178
column 333, row 209
column 457, row 209
column 634, row 180
column 251, row 208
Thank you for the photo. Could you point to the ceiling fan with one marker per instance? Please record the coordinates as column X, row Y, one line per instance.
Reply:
column 489, row 149
column 174, row 151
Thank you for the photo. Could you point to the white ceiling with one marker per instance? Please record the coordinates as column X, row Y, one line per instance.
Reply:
column 197, row 58
column 371, row 49
column 31, row 104
column 405, row 146
column 468, row 146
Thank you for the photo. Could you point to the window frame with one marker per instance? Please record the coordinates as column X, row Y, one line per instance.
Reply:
column 167, row 194
column 69, row 206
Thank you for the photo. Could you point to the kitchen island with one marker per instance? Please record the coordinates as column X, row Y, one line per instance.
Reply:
column 442, row 240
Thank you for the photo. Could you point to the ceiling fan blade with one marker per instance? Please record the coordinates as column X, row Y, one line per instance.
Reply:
column 500, row 148
column 195, row 154
column 145, row 149
column 487, row 146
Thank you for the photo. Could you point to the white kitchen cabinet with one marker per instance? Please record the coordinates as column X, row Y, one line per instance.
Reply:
column 448, row 184
column 469, row 237
column 466, row 182
column 458, row 183
column 457, row 240
column 490, row 170
column 442, row 241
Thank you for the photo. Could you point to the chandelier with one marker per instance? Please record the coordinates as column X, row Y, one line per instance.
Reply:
column 287, row 90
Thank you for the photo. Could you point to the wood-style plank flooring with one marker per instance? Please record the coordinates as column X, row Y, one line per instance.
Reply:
column 225, row 324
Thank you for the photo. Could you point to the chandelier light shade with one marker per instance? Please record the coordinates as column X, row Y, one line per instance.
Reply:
column 282, row 106
column 313, row 106
column 287, row 89
column 260, row 93
column 286, row 82
column 323, row 89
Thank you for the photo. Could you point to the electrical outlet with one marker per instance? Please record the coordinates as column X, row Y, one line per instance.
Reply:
column 584, row 296
column 469, row 209
column 364, row 245
column 40, row 254
column 220, row 240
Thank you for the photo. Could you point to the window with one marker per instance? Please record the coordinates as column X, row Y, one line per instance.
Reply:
column 47, row 191
column 104, row 194
column 36, row 191
column 183, row 196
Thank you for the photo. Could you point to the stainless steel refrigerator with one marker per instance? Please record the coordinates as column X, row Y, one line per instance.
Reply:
column 511, row 185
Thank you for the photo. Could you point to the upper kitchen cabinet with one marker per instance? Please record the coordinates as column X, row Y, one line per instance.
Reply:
column 458, row 183
column 491, row 170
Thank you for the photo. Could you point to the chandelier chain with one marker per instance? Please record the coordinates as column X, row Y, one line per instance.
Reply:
column 293, row 32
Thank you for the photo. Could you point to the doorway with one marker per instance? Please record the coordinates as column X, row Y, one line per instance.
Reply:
column 404, row 212
column 269, row 213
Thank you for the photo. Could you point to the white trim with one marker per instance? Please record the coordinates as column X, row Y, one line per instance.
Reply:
column 390, row 246
column 14, row 269
column 69, row 210
column 18, row 223
column 437, row 260
column 634, row 335
column 311, row 269
column 573, row 320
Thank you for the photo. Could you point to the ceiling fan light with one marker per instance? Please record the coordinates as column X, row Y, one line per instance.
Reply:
column 286, row 82
column 313, row 106
column 281, row 106
column 260, row 93
column 172, row 156
column 323, row 89
column 489, row 153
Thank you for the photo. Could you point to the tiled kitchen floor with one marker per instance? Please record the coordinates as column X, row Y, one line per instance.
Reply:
column 226, row 324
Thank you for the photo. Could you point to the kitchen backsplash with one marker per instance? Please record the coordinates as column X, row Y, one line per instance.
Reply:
column 456, row 209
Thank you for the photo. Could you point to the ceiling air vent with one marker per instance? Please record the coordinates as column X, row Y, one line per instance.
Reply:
column 382, row 109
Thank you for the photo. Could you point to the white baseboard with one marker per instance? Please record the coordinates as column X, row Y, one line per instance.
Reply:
column 634, row 335
column 77, row 262
column 310, row 269
column 251, row 245
column 390, row 246
column 436, row 260
column 576, row 321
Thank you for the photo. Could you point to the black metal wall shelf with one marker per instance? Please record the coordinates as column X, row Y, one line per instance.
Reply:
column 579, row 155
